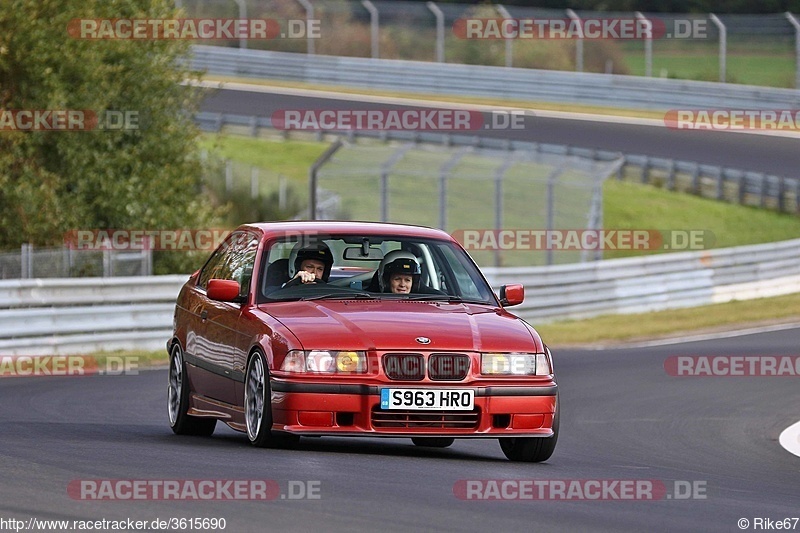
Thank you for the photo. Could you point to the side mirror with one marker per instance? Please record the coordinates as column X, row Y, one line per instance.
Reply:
column 511, row 295
column 224, row 290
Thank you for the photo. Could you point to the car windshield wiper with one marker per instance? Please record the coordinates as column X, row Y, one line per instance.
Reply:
column 342, row 296
column 446, row 298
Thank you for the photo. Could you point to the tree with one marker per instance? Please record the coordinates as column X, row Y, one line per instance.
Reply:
column 52, row 182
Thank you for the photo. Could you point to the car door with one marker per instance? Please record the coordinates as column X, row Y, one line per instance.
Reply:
column 215, row 337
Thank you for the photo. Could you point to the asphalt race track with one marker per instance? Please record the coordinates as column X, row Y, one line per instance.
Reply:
column 623, row 418
column 758, row 153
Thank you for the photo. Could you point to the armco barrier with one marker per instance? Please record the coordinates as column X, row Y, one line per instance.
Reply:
column 85, row 315
column 654, row 283
column 60, row 316
column 495, row 82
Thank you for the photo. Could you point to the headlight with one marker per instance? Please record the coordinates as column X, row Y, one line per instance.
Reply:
column 325, row 361
column 515, row 364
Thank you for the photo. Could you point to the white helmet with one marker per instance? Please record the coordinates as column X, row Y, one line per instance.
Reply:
column 390, row 258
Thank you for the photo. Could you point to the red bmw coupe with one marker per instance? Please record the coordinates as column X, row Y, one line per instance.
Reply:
column 357, row 329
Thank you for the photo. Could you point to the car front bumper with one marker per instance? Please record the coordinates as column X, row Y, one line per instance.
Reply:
column 343, row 409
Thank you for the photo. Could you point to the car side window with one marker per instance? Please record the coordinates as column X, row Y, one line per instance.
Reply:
column 233, row 260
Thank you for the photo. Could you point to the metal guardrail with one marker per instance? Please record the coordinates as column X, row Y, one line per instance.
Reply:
column 654, row 283
column 81, row 315
column 720, row 183
column 495, row 82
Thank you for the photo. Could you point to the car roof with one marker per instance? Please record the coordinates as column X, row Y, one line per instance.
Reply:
column 364, row 228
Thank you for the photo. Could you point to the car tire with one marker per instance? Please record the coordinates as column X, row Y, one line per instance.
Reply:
column 433, row 442
column 532, row 449
column 178, row 400
column 258, row 406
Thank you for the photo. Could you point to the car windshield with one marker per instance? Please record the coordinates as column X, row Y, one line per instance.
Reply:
column 372, row 267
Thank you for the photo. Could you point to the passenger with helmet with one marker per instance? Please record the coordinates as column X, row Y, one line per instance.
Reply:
column 400, row 276
column 401, row 266
column 311, row 264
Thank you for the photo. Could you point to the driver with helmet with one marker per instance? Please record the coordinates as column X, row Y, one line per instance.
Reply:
column 312, row 264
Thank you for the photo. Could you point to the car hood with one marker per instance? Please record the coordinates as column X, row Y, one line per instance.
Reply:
column 395, row 325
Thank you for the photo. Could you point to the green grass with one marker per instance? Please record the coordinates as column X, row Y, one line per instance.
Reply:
column 769, row 63
column 750, row 69
column 633, row 206
column 287, row 158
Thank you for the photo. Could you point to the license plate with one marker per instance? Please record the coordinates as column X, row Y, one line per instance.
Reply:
column 433, row 399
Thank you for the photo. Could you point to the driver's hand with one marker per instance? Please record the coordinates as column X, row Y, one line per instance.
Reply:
column 306, row 277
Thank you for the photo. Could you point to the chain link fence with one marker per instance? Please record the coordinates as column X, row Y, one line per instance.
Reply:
column 469, row 190
column 66, row 262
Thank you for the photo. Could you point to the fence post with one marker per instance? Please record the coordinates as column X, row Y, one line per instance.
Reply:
column 386, row 168
column 696, row 179
column 579, row 44
column 720, row 183
column 25, row 261
column 645, row 169
column 781, row 194
column 228, row 176
column 499, row 176
column 797, row 197
column 551, row 207
column 312, row 177
column 742, row 187
column 648, row 44
column 671, row 176
column 254, row 192
column 796, row 25
column 445, row 169
column 723, row 46
column 242, row 16
column 509, row 42
column 439, row 31
column 309, row 7
column 373, row 27
column 282, row 192
column 108, row 269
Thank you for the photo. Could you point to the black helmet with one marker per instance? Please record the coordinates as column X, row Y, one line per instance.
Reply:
column 318, row 252
column 402, row 265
